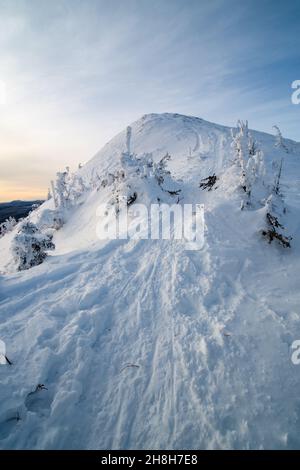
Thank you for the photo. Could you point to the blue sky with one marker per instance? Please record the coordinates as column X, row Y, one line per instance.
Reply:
column 77, row 72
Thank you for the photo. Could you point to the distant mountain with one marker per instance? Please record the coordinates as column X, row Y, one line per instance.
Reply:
column 16, row 209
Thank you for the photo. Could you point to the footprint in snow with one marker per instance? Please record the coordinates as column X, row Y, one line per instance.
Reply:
column 39, row 401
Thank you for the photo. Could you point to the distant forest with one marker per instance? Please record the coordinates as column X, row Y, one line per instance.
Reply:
column 16, row 209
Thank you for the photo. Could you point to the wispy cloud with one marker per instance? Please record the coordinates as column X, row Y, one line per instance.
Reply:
column 77, row 72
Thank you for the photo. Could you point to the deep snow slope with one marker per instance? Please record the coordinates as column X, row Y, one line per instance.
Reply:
column 143, row 343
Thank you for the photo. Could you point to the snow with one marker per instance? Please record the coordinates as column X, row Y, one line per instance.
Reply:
column 143, row 343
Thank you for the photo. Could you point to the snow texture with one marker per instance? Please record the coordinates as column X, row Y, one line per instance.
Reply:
column 127, row 344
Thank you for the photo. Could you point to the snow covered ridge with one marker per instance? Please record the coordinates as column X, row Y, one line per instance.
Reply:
column 143, row 343
column 153, row 182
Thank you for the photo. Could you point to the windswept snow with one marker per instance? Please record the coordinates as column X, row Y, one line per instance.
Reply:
column 144, row 344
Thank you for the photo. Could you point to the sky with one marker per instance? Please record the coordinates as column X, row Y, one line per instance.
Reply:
column 74, row 73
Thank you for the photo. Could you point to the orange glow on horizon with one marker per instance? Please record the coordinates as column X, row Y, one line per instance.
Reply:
column 11, row 193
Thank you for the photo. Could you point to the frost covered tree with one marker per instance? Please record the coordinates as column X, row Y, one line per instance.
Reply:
column 160, row 169
column 128, row 160
column 126, row 183
column 67, row 189
column 255, row 168
column 274, row 228
column 249, row 158
column 7, row 226
column 279, row 143
column 30, row 246
column 76, row 188
column 275, row 210
column 240, row 143
column 54, row 194
column 124, row 180
column 278, row 168
column 95, row 180
column 128, row 140
column 61, row 189
column 209, row 182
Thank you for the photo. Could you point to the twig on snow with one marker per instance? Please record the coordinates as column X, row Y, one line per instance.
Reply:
column 225, row 333
column 8, row 361
column 129, row 365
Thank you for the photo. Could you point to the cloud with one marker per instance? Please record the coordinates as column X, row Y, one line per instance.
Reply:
column 77, row 72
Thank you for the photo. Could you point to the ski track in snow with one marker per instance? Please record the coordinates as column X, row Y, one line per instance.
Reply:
column 192, row 386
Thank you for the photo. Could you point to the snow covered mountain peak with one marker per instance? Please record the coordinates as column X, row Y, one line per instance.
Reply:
column 160, row 133
column 182, row 137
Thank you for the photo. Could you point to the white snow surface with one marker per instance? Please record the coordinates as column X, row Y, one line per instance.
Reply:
column 143, row 344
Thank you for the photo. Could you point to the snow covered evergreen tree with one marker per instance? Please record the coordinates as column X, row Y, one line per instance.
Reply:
column 241, row 143
column 249, row 158
column 274, row 228
column 128, row 140
column 160, row 169
column 30, row 246
column 54, row 194
column 76, row 188
column 68, row 188
column 275, row 211
column 278, row 168
column 61, row 189
column 279, row 139
column 7, row 226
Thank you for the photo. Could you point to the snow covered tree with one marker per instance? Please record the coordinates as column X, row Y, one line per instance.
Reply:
column 148, row 166
column 274, row 228
column 7, row 226
column 249, row 158
column 274, row 210
column 61, row 188
column 54, row 195
column 29, row 246
column 34, row 207
column 126, row 183
column 255, row 168
column 279, row 139
column 128, row 140
column 76, row 188
column 278, row 168
column 209, row 182
column 240, row 143
column 67, row 189
column 160, row 169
